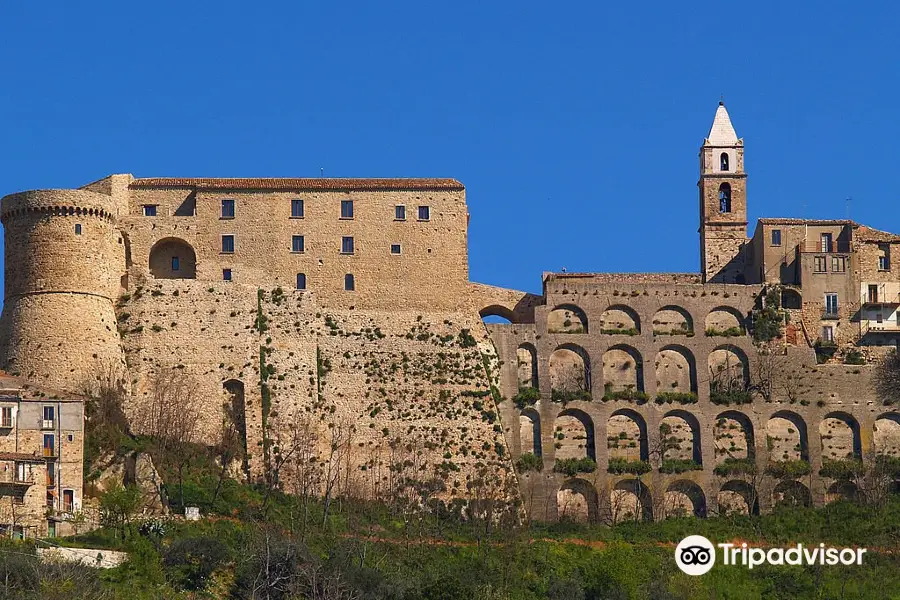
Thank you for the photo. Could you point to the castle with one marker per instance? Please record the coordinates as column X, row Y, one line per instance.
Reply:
column 342, row 308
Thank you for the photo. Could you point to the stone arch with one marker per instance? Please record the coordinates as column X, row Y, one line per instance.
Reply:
column 623, row 369
column 842, row 490
column 526, row 366
column 574, row 435
column 737, row 497
column 673, row 320
column 630, row 500
column 619, row 318
column 731, row 362
column 530, row 432
column 576, row 500
column 235, row 407
column 626, row 433
column 567, row 318
column 887, row 434
column 733, row 435
column 676, row 370
column 791, row 493
column 725, row 320
column 570, row 369
column 163, row 255
column 679, row 433
column 499, row 314
column 786, row 437
column 839, row 434
column 684, row 498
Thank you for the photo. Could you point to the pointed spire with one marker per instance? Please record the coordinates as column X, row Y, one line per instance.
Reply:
column 722, row 131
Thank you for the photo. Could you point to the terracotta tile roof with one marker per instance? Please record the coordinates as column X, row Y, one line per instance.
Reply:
column 807, row 222
column 20, row 456
column 296, row 184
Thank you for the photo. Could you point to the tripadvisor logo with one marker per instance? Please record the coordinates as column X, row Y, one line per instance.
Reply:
column 696, row 555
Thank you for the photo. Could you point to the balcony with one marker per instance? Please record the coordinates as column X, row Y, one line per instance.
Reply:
column 876, row 327
column 48, row 424
column 819, row 247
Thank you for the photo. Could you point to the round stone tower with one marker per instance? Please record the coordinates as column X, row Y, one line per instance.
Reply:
column 64, row 261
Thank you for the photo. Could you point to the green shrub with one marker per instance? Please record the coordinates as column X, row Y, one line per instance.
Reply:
column 847, row 468
column 735, row 466
column 627, row 395
column 620, row 466
column 529, row 461
column 566, row 396
column 788, row 469
column 676, row 397
column 854, row 357
column 888, row 464
column 679, row 465
column 189, row 562
column 729, row 396
column 628, row 331
column 730, row 332
column 526, row 397
column 573, row 466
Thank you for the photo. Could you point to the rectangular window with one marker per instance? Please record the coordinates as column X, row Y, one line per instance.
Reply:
column 23, row 471
column 346, row 209
column 838, row 264
column 884, row 257
column 227, row 208
column 831, row 304
column 228, row 244
column 176, row 263
column 226, row 274
column 820, row 264
column 395, row 248
column 826, row 242
column 301, row 281
column 347, row 245
column 49, row 420
column 296, row 208
column 49, row 444
column 149, row 210
column 424, row 213
column 399, row 213
column 298, row 244
column 873, row 294
column 77, row 228
column 6, row 416
column 828, row 333
column 349, row 283
column 51, row 475
column 776, row 237
column 68, row 500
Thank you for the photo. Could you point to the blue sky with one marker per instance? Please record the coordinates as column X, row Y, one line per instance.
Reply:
column 574, row 126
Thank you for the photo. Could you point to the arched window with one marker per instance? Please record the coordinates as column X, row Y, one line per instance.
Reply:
column 723, row 162
column 301, row 281
column 725, row 198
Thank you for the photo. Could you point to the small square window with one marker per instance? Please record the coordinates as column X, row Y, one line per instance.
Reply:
column 149, row 210
column 399, row 213
column 77, row 228
column 828, row 333
column 228, row 244
column 424, row 213
column 395, row 248
column 347, row 245
column 176, row 263
column 226, row 274
column 227, row 208
column 301, row 281
column 298, row 244
column 346, row 209
column 296, row 208
column 776, row 237
column 349, row 283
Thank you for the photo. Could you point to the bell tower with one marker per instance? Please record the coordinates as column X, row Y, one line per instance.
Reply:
column 723, row 203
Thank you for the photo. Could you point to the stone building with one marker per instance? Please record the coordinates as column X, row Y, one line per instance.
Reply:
column 41, row 458
column 344, row 306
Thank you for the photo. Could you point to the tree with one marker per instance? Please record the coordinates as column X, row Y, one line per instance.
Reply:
column 887, row 378
column 169, row 416
column 118, row 506
column 230, row 444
